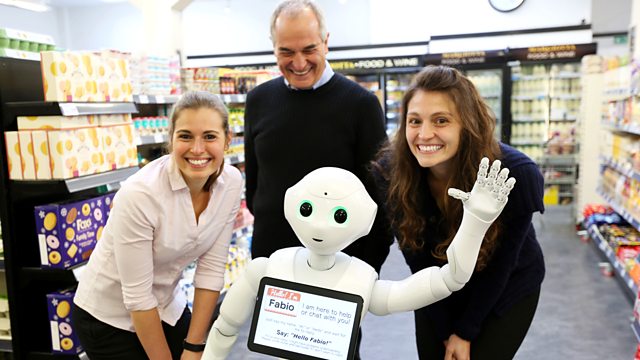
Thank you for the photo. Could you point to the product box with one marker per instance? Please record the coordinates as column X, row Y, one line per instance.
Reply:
column 13, row 155
column 67, row 233
column 107, row 204
column 41, row 154
column 64, row 339
column 113, row 119
column 69, row 76
column 113, row 78
column 76, row 152
column 26, row 153
column 119, row 146
column 54, row 122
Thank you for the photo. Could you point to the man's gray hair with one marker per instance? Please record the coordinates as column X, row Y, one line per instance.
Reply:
column 294, row 8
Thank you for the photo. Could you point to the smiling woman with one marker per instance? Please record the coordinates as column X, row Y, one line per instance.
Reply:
column 177, row 209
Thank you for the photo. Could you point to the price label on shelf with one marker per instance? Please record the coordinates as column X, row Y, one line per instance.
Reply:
column 158, row 138
column 160, row 99
column 143, row 99
column 69, row 109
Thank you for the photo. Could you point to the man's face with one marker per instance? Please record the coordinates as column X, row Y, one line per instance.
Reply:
column 299, row 49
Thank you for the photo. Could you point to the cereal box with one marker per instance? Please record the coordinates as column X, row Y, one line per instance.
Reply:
column 69, row 76
column 64, row 338
column 13, row 155
column 67, row 233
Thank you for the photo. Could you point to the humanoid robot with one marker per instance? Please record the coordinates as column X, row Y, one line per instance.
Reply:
column 329, row 209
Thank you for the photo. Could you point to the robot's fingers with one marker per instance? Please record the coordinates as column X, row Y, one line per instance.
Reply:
column 458, row 194
column 510, row 183
column 502, row 177
column 495, row 167
column 484, row 166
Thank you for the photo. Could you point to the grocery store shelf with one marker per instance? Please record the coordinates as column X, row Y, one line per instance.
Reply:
column 527, row 119
column 529, row 97
column 566, row 75
column 43, row 108
column 621, row 168
column 152, row 139
column 155, row 99
column 602, row 244
column 565, row 180
column 635, row 326
column 619, row 209
column 20, row 54
column 29, row 188
column 558, row 159
column 233, row 98
column 5, row 345
column 628, row 128
column 234, row 158
column 50, row 356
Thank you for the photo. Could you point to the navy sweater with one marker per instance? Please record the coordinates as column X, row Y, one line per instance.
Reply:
column 516, row 268
column 289, row 133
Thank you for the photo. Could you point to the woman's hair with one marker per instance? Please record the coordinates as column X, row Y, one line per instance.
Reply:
column 194, row 100
column 405, row 179
column 293, row 8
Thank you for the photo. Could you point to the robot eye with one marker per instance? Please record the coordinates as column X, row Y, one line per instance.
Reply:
column 340, row 216
column 306, row 209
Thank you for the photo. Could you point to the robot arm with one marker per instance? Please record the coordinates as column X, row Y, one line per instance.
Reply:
column 482, row 206
column 236, row 308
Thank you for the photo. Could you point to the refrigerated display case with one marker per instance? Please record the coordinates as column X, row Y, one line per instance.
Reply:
column 545, row 102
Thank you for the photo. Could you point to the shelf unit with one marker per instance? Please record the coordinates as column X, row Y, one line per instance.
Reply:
column 28, row 283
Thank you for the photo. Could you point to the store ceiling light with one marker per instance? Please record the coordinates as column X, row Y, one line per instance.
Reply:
column 37, row 6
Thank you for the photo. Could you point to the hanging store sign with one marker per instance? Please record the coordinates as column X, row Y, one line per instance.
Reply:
column 552, row 52
column 376, row 63
column 465, row 58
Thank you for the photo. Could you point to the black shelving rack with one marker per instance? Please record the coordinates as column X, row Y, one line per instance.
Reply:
column 27, row 283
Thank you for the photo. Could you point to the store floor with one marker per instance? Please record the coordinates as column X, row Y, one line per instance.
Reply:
column 581, row 315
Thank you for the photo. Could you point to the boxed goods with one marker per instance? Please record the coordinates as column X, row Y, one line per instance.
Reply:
column 75, row 152
column 67, row 233
column 13, row 155
column 119, row 147
column 54, row 122
column 26, row 153
column 41, row 154
column 64, row 339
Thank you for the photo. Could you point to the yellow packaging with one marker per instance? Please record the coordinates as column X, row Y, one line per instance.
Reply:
column 113, row 79
column 113, row 119
column 75, row 152
column 69, row 76
column 26, row 152
column 54, row 122
column 13, row 155
column 41, row 154
column 119, row 146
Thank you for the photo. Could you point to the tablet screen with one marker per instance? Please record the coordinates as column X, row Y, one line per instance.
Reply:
column 299, row 321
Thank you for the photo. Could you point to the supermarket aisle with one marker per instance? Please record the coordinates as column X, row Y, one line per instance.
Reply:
column 581, row 315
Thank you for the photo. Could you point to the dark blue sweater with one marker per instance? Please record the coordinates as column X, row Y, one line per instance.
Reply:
column 516, row 268
column 289, row 133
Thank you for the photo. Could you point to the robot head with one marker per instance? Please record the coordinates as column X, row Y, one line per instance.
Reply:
column 329, row 209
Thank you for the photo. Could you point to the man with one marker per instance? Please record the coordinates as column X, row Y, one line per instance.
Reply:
column 310, row 117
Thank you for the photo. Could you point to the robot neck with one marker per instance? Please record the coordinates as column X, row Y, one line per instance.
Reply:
column 321, row 262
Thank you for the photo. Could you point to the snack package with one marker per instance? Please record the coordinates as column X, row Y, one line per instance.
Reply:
column 64, row 339
column 67, row 233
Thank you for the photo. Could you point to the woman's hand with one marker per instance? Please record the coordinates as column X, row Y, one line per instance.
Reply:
column 457, row 348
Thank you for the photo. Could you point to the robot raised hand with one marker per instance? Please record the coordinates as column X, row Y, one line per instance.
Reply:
column 328, row 210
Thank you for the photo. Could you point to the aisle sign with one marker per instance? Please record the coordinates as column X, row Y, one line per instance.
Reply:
column 376, row 63
column 465, row 58
column 298, row 321
column 553, row 52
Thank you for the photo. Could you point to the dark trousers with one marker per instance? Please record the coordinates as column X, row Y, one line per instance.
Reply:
column 499, row 338
column 105, row 342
